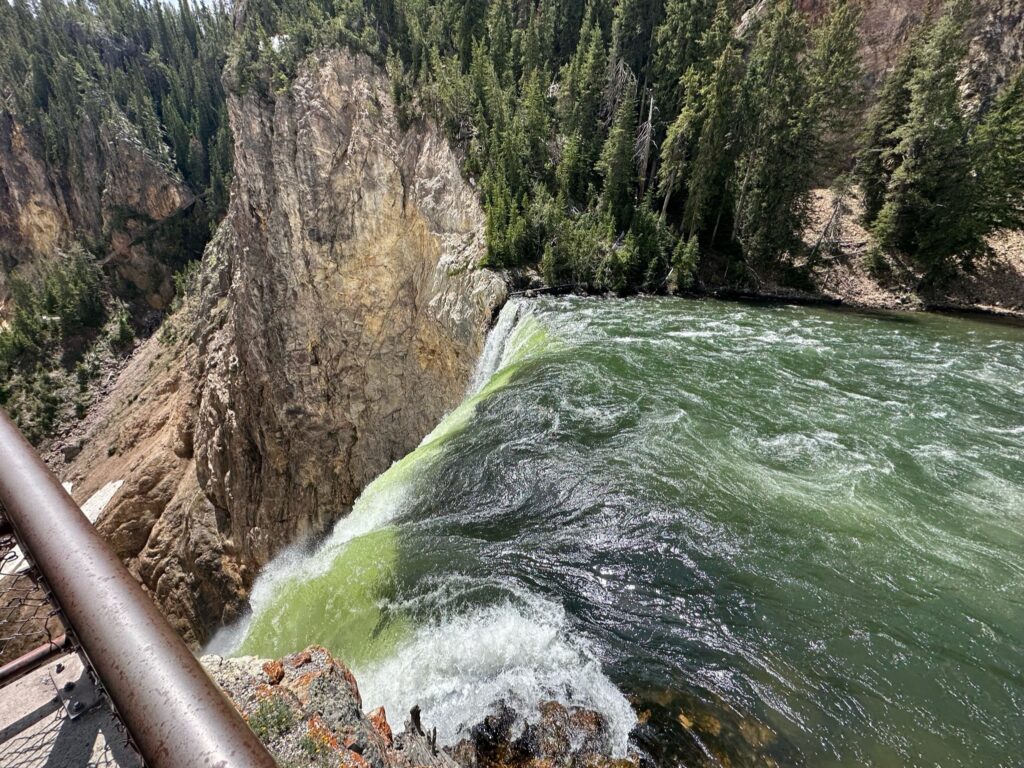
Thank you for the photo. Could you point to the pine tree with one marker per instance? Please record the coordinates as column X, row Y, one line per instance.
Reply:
column 772, row 175
column 499, row 37
column 714, row 156
column 616, row 162
column 834, row 74
column 926, row 212
column 677, row 47
column 997, row 150
column 875, row 161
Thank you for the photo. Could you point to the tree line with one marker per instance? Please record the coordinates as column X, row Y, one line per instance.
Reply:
column 69, row 66
column 618, row 141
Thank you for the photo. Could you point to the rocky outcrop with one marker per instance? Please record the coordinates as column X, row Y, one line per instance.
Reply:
column 339, row 316
column 307, row 709
column 115, row 196
column 996, row 49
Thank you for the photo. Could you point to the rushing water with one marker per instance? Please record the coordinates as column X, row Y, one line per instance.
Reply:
column 758, row 533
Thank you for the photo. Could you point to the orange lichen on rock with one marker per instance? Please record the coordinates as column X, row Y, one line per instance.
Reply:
column 379, row 720
column 274, row 670
column 300, row 685
column 350, row 759
column 319, row 732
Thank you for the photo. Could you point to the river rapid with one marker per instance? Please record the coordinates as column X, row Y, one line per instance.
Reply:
column 760, row 534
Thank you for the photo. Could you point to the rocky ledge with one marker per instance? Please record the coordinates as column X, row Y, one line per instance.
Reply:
column 307, row 709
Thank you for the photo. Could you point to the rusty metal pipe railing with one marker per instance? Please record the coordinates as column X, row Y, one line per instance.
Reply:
column 176, row 715
column 31, row 661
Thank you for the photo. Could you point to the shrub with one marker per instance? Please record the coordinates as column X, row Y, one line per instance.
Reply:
column 272, row 718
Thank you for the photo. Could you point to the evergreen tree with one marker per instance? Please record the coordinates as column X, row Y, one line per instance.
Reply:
column 678, row 46
column 835, row 73
column 615, row 165
column 772, row 175
column 714, row 156
column 875, row 161
column 927, row 205
column 997, row 150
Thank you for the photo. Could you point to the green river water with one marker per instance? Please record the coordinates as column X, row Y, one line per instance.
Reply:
column 759, row 534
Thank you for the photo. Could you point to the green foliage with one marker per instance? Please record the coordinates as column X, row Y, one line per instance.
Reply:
column 72, row 66
column 685, row 258
column 836, row 94
column 273, row 717
column 772, row 176
column 53, row 314
column 122, row 333
column 997, row 151
column 678, row 47
column 611, row 140
column 946, row 183
column 615, row 165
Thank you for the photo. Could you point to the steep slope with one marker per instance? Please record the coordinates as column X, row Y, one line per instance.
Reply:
column 122, row 199
column 996, row 30
column 338, row 316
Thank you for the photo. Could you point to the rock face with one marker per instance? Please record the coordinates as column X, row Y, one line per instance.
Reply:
column 116, row 195
column 307, row 709
column 339, row 316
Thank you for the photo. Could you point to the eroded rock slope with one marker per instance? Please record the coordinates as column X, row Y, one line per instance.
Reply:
column 338, row 315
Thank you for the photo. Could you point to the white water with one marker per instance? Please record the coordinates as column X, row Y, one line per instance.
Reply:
column 458, row 667
column 493, row 356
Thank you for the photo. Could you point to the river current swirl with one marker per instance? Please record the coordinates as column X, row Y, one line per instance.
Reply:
column 759, row 534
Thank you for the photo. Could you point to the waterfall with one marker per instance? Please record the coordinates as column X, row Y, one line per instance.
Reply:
column 494, row 350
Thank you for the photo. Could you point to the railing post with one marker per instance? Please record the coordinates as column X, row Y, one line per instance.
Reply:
column 176, row 715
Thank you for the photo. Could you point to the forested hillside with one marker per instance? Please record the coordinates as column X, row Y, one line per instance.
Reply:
column 617, row 145
column 115, row 158
column 618, row 142
column 158, row 65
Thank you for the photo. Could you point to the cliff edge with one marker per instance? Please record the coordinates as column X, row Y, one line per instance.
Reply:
column 338, row 314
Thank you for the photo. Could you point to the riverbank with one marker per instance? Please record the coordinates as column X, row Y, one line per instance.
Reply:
column 840, row 269
column 837, row 269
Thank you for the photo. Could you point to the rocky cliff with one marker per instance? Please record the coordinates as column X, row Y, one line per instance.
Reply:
column 338, row 315
column 118, row 197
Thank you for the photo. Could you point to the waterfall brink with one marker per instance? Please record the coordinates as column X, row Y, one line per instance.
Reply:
column 267, row 630
column 497, row 340
column 411, row 637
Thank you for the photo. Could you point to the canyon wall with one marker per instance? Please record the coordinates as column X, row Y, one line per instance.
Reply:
column 338, row 316
column 115, row 195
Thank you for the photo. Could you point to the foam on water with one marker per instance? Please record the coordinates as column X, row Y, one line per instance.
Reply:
column 523, row 653
column 381, row 501
column 796, row 530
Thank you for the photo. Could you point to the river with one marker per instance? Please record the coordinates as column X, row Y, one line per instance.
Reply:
column 765, row 534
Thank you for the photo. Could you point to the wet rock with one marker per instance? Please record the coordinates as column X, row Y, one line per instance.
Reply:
column 379, row 721
column 306, row 708
column 562, row 737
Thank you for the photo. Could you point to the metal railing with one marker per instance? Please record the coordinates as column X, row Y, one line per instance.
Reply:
column 74, row 585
